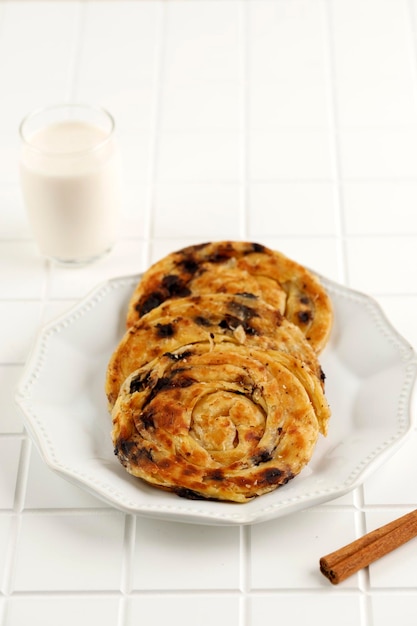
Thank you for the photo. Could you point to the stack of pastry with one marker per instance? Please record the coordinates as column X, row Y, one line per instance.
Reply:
column 216, row 390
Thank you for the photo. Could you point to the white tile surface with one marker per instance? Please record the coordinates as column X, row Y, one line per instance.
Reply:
column 19, row 263
column 339, row 609
column 376, row 76
column 185, row 210
column 287, row 93
column 382, row 153
column 118, row 46
column 19, row 327
column 383, row 209
column 401, row 313
column 290, row 154
column 200, row 107
column 184, row 610
column 30, row 75
column 394, row 607
column 47, row 490
column 78, row 552
column 9, row 157
column 124, row 259
column 135, row 150
column 201, row 43
column 10, row 416
column 289, row 122
column 13, row 220
column 293, row 208
column 63, row 610
column 212, row 556
column 5, row 540
column 10, row 456
column 396, row 258
column 198, row 156
column 272, row 549
column 389, row 484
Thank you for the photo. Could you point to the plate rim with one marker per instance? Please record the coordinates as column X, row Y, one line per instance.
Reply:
column 104, row 491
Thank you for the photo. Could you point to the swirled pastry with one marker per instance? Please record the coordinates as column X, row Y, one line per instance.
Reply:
column 240, row 319
column 237, row 267
column 224, row 421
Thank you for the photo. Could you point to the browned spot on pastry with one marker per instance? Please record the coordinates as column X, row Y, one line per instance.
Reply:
column 175, row 286
column 257, row 247
column 172, row 382
column 272, row 476
column 262, row 457
column 189, row 265
column 231, row 322
column 150, row 302
column 144, row 455
column 216, row 475
column 138, row 383
column 202, row 321
column 242, row 311
column 165, row 330
column 189, row 494
column 305, row 317
column 147, row 418
column 124, row 446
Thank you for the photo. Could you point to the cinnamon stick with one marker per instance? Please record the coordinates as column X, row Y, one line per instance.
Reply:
column 342, row 563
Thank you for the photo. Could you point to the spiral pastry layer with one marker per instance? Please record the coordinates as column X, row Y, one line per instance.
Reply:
column 239, row 319
column 223, row 421
column 216, row 389
column 236, row 267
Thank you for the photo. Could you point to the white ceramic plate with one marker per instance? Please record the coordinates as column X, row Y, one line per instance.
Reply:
column 370, row 378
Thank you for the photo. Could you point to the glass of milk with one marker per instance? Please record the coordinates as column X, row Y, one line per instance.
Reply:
column 71, row 181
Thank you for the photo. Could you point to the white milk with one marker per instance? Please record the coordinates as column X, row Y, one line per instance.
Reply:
column 70, row 177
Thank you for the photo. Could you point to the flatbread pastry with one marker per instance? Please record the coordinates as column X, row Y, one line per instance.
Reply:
column 223, row 421
column 236, row 267
column 240, row 319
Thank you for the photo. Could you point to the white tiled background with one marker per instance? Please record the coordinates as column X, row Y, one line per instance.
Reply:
column 290, row 122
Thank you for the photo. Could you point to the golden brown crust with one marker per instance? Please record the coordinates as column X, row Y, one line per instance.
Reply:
column 216, row 390
column 229, row 266
column 242, row 320
column 222, row 421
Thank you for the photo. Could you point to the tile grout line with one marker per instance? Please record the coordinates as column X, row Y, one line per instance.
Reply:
column 128, row 548
column 359, row 515
column 19, row 498
column 126, row 585
column 243, row 22
column 22, row 475
column 72, row 71
column 154, row 132
column 243, row 18
column 412, row 41
column 75, row 56
column 244, row 573
column 9, row 559
column 335, row 146
column 363, row 575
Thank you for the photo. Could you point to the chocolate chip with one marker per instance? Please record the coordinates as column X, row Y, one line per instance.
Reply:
column 175, row 286
column 151, row 301
column 304, row 316
column 165, row 330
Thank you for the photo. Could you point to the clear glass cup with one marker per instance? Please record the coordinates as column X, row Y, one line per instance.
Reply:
column 70, row 175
